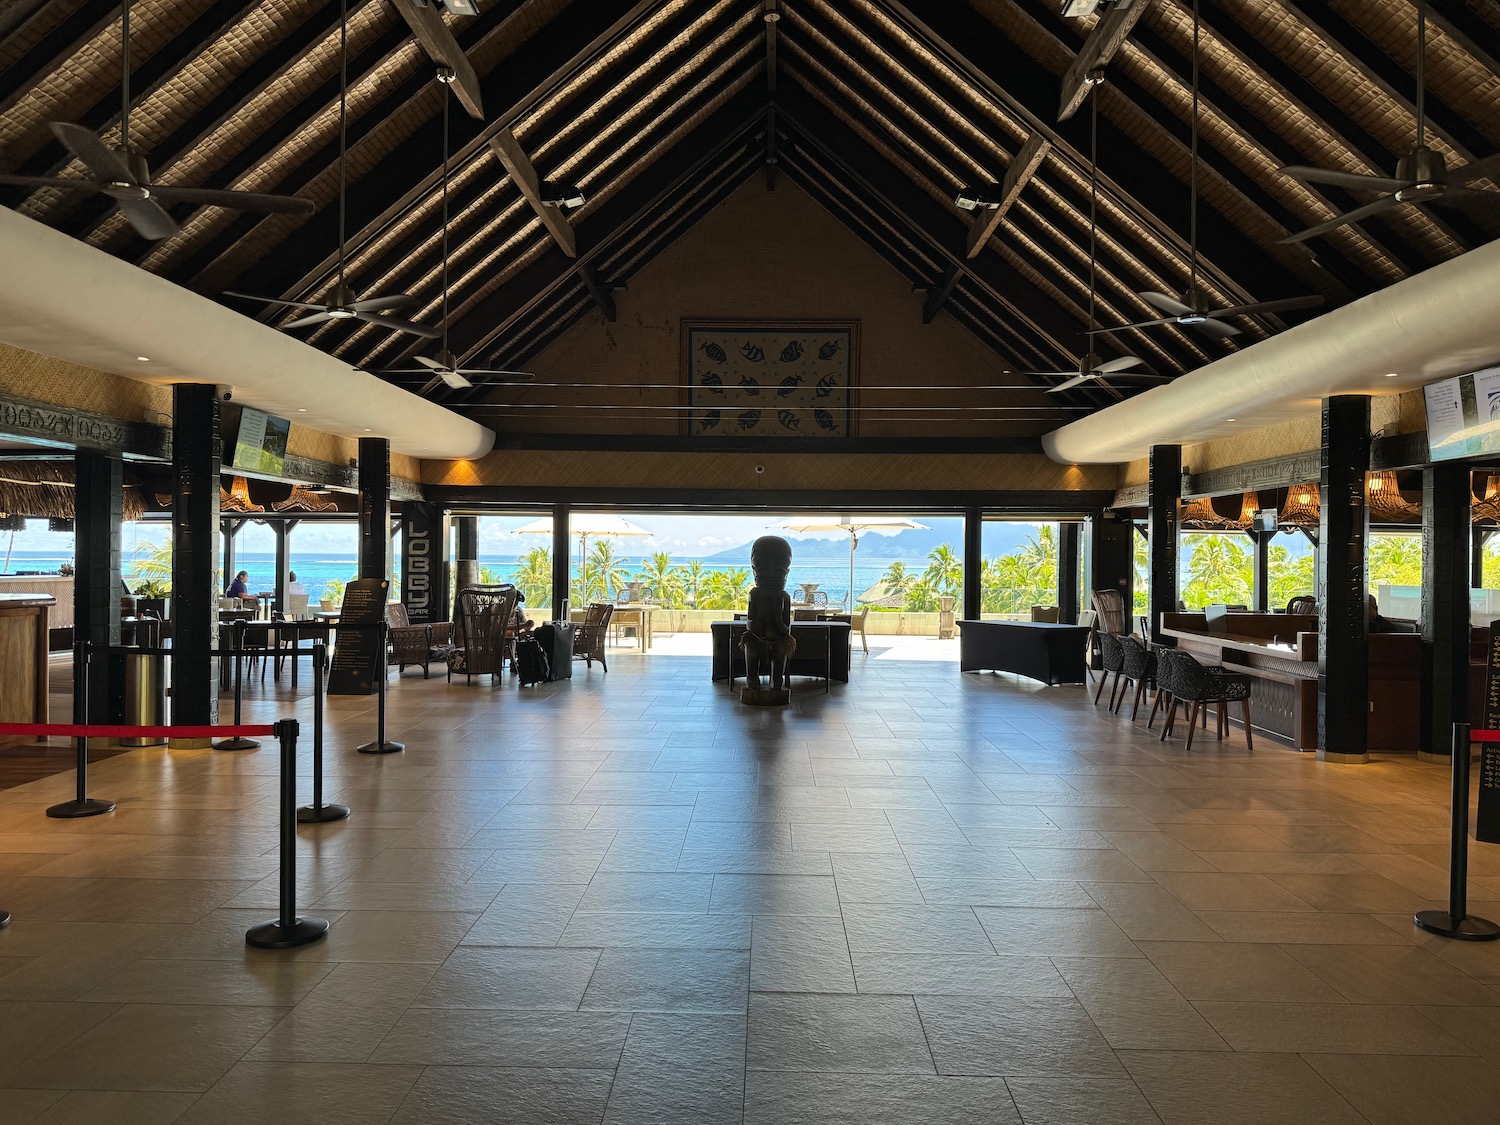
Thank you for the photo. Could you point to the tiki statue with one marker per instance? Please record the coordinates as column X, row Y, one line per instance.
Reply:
column 768, row 635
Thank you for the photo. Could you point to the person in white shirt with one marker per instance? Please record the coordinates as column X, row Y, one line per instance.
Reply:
column 293, row 586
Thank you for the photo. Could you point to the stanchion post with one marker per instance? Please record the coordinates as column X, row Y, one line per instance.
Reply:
column 4, row 919
column 318, row 812
column 82, row 805
column 1455, row 922
column 287, row 930
column 381, row 745
column 238, row 742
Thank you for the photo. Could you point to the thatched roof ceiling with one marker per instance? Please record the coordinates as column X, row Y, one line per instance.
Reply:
column 880, row 110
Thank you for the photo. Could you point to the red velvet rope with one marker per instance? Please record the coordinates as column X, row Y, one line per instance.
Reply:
column 117, row 730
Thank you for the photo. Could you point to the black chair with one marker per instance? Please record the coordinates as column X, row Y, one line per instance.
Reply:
column 1139, row 670
column 1182, row 680
column 1112, row 656
column 1303, row 604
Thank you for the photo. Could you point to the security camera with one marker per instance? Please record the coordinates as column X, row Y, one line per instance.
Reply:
column 223, row 392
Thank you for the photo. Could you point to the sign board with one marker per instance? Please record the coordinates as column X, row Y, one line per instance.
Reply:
column 1487, row 822
column 424, row 564
column 358, row 654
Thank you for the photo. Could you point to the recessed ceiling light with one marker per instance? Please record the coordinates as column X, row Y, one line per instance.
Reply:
column 1231, row 419
column 144, row 358
column 301, row 410
column 367, row 429
column 1392, row 374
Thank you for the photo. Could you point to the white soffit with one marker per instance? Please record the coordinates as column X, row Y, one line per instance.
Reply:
column 64, row 298
column 1441, row 322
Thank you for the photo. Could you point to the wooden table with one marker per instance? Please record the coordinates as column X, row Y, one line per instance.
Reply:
column 637, row 615
column 23, row 654
column 1039, row 650
column 729, row 657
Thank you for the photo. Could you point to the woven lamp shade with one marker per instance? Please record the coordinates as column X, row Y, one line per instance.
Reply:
column 1383, row 495
column 1249, row 505
column 1486, row 507
column 303, row 500
column 1200, row 514
column 237, row 499
column 1303, row 507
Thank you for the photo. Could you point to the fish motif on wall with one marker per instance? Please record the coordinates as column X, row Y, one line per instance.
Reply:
column 792, row 352
column 829, row 350
column 751, row 386
column 823, row 418
column 825, row 386
column 753, row 352
column 748, row 419
column 752, row 380
column 788, row 385
column 788, row 418
column 715, row 353
column 714, row 383
column 709, row 420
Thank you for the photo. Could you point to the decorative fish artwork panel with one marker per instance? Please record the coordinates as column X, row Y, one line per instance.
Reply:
column 787, row 380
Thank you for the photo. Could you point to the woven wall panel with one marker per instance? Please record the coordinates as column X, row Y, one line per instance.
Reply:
column 56, row 381
column 1296, row 436
column 811, row 472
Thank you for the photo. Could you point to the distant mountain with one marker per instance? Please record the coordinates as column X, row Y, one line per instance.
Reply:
column 913, row 544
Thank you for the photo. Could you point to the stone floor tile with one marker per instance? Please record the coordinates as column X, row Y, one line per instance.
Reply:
column 568, row 1040
column 1080, row 1101
column 1243, row 1089
column 669, row 980
column 1347, row 1029
column 875, row 1099
column 957, row 974
column 338, row 1093
column 887, row 928
column 1237, row 971
column 485, row 977
column 792, row 953
column 1391, row 1089
column 1015, row 1035
column 870, row 1034
column 458, row 1095
column 1056, row 932
column 680, row 1068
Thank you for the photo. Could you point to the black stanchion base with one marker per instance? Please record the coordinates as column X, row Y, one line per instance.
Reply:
column 237, row 744
column 1465, row 929
column 381, row 747
column 4, row 919
column 71, row 810
column 272, row 935
column 312, row 814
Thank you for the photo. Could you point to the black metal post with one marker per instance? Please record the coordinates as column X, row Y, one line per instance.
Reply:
column 1261, row 593
column 288, row 930
column 374, row 508
column 381, row 745
column 318, row 812
column 973, row 564
column 238, row 742
column 1343, row 591
column 4, row 919
column 562, row 564
column 196, row 450
column 1455, row 921
column 1446, row 541
column 98, row 509
column 1069, row 536
column 82, row 804
column 1164, row 488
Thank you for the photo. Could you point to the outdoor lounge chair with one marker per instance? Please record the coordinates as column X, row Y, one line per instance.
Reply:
column 415, row 644
column 589, row 638
column 480, row 627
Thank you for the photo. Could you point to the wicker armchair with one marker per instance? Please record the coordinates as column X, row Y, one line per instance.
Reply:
column 1110, row 606
column 483, row 621
column 589, row 638
column 419, row 645
column 1183, row 680
column 1303, row 604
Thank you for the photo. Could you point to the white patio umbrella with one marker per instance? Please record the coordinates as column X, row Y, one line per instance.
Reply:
column 584, row 524
column 853, row 525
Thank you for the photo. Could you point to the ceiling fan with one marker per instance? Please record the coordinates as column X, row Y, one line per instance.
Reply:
column 1194, row 309
column 1091, row 369
column 444, row 367
column 1421, row 175
column 122, row 173
column 342, row 303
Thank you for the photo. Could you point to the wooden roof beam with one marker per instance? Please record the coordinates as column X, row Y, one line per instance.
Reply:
column 520, row 169
column 1021, row 169
column 1113, row 28
column 432, row 33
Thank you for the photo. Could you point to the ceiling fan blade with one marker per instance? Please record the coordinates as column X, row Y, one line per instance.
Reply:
column 1357, row 215
column 1167, row 304
column 1142, row 377
column 431, row 385
column 490, row 376
column 273, row 300
column 98, row 157
column 1215, row 328
column 1476, row 200
column 1259, row 308
column 431, row 364
column 454, row 379
column 375, row 304
column 147, row 217
column 308, row 321
column 399, row 325
column 1137, row 324
column 1486, row 169
column 48, row 181
column 1075, row 381
column 1123, row 363
column 1342, row 179
column 235, row 200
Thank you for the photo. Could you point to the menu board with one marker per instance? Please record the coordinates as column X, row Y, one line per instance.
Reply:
column 1463, row 415
column 359, row 654
column 1487, row 820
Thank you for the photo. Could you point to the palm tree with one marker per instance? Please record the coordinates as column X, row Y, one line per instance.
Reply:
column 694, row 580
column 922, row 596
column 605, row 572
column 153, row 564
column 1220, row 570
column 1290, row 577
column 534, row 577
column 726, row 589
column 664, row 579
column 945, row 572
column 1395, row 560
column 895, row 579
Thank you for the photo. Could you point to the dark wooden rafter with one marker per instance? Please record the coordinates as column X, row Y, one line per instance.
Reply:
column 1022, row 167
column 938, row 294
column 426, row 23
column 599, row 291
column 60, row 44
column 518, row 167
column 1109, row 32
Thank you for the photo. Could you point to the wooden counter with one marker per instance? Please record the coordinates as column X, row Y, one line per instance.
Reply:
column 60, row 587
column 23, row 659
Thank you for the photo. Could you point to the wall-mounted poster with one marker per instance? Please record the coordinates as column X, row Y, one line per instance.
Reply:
column 783, row 379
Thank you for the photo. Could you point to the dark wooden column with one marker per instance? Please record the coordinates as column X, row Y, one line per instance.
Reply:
column 973, row 606
column 283, row 530
column 196, row 449
column 1109, row 556
column 561, row 562
column 467, row 549
column 1446, row 539
column 1164, row 488
column 1343, row 587
column 374, row 508
column 1260, row 541
column 1068, row 535
column 98, row 514
column 424, row 563
column 1481, row 536
column 230, row 530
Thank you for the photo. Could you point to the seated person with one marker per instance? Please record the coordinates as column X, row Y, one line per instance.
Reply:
column 239, row 589
column 293, row 587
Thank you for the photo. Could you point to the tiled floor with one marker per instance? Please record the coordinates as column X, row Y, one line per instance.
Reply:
column 925, row 897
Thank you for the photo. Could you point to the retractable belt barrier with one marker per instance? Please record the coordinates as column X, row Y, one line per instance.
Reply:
column 1456, row 921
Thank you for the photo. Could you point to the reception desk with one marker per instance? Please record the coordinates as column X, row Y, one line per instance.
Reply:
column 57, row 586
column 23, row 656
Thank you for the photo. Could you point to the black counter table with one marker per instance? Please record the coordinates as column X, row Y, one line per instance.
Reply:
column 1041, row 650
column 729, row 658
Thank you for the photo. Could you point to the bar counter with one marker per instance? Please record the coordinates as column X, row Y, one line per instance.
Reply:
column 23, row 660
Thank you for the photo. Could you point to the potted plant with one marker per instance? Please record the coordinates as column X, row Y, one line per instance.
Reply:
column 154, row 596
column 332, row 596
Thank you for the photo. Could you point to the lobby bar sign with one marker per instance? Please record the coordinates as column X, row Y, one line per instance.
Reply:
column 359, row 654
column 1487, row 822
column 424, row 570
